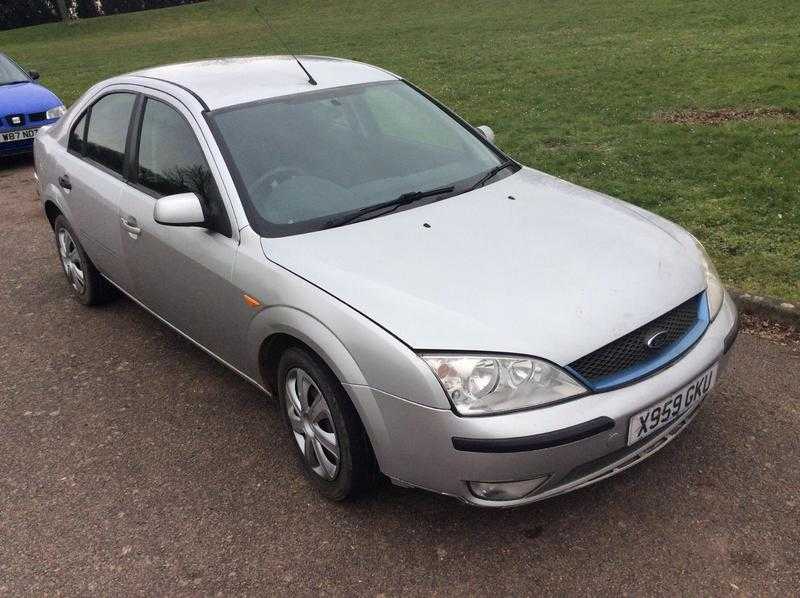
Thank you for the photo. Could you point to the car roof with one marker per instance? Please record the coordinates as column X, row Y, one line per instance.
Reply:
column 226, row 82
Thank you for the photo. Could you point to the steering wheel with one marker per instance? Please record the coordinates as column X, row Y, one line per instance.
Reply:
column 274, row 177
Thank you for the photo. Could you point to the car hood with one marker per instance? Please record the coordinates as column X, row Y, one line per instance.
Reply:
column 556, row 272
column 25, row 98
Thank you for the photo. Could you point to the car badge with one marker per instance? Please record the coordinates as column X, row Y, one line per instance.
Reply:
column 16, row 120
column 656, row 340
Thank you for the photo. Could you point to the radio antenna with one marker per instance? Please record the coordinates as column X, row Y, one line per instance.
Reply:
column 285, row 47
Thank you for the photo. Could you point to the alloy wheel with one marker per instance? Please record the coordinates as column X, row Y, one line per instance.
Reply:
column 312, row 424
column 71, row 261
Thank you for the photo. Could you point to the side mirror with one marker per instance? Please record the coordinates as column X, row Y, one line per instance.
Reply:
column 33, row 75
column 487, row 132
column 183, row 209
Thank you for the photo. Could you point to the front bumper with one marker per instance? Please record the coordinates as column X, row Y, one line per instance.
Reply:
column 414, row 443
column 23, row 146
column 15, row 148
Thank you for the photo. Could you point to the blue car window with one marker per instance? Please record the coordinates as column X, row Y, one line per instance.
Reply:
column 11, row 73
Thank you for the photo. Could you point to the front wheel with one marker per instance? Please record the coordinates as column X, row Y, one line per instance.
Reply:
column 324, row 427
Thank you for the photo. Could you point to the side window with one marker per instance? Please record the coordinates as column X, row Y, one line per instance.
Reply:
column 171, row 161
column 108, row 129
column 76, row 139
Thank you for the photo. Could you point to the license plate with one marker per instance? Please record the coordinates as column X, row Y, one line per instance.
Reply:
column 17, row 135
column 668, row 410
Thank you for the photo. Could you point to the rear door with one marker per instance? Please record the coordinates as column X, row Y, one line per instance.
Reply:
column 90, row 176
column 181, row 273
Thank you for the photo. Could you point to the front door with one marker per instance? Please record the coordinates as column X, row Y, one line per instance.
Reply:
column 180, row 273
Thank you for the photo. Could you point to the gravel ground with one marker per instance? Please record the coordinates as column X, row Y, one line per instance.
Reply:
column 132, row 463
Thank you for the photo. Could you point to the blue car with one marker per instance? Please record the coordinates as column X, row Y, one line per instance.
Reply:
column 25, row 106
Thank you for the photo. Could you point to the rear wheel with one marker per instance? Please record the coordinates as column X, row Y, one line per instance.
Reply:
column 324, row 427
column 86, row 283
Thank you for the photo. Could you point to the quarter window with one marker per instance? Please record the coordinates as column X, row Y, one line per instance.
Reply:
column 171, row 161
column 109, row 119
column 76, row 137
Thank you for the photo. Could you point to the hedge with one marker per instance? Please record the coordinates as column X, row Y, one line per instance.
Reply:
column 22, row 13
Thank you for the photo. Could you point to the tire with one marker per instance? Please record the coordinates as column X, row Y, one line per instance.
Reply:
column 356, row 470
column 85, row 282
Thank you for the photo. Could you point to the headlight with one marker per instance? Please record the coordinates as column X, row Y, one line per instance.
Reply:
column 486, row 384
column 56, row 112
column 715, row 290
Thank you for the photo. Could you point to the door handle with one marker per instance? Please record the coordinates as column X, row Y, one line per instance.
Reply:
column 129, row 224
column 65, row 182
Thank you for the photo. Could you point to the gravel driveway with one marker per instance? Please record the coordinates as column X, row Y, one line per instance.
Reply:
column 131, row 462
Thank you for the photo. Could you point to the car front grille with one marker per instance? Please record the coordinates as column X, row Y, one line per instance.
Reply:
column 14, row 120
column 629, row 358
column 36, row 117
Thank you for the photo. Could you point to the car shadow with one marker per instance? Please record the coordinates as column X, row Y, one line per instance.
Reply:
column 10, row 164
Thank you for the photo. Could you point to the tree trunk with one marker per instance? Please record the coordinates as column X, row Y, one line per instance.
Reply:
column 62, row 10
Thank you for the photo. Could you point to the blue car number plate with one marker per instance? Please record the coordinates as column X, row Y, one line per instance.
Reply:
column 17, row 135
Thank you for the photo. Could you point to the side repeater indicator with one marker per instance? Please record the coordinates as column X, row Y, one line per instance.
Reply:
column 251, row 301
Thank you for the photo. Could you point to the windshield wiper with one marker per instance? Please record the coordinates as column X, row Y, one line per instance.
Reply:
column 393, row 204
column 493, row 173
column 13, row 82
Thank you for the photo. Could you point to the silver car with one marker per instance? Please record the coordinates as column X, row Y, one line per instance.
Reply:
column 421, row 305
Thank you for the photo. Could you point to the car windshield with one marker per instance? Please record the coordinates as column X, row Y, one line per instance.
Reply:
column 10, row 72
column 307, row 162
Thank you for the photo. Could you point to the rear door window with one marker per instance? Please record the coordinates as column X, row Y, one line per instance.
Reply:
column 109, row 120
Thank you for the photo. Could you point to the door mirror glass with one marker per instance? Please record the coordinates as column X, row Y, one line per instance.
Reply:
column 487, row 132
column 33, row 75
column 183, row 209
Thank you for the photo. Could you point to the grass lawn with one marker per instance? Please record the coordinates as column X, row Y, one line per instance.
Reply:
column 571, row 88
